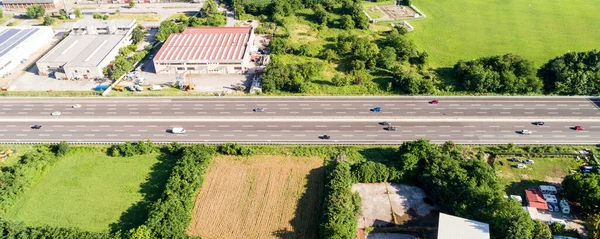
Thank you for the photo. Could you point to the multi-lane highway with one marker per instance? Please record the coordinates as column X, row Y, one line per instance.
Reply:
column 348, row 120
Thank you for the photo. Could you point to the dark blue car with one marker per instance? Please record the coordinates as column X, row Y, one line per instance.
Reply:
column 376, row 109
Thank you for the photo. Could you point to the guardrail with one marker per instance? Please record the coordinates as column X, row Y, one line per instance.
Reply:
column 283, row 143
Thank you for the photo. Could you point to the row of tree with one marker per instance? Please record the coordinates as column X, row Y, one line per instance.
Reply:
column 341, row 206
column 128, row 149
column 585, row 190
column 208, row 15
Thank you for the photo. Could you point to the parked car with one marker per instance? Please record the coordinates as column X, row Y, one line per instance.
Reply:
column 434, row 102
column 56, row 113
column 76, row 106
column 131, row 87
column 376, row 109
column 259, row 109
column 538, row 123
column 37, row 126
column 516, row 160
column 521, row 165
column 525, row 131
column 529, row 161
column 138, row 88
column 156, row 87
column 577, row 127
column 325, row 137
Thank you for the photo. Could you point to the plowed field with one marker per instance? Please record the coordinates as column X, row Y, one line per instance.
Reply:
column 260, row 197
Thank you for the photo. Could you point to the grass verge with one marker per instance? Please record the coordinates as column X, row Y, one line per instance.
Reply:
column 140, row 18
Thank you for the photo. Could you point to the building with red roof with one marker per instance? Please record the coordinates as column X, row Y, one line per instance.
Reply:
column 206, row 50
column 536, row 200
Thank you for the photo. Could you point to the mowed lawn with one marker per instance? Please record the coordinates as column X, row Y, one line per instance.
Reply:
column 263, row 196
column 89, row 190
column 536, row 29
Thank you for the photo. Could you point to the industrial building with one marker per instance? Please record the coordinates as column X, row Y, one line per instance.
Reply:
column 18, row 43
column 27, row 3
column 91, row 46
column 206, row 50
column 452, row 227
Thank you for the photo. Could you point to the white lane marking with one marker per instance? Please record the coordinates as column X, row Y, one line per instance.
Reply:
column 223, row 126
column 529, row 113
column 496, row 104
column 275, row 135
column 552, row 113
column 284, row 108
column 469, row 126
column 219, row 105
column 320, row 126
column 345, row 126
column 494, row 126
column 317, row 112
column 507, row 108
column 576, row 113
column 347, row 135
column 481, row 112
column 457, row 112
column 204, row 135
column 44, row 135
column 504, row 112
column 583, row 104
column 67, row 135
column 445, row 126
column 294, row 112
column 358, row 130
column 340, row 112
column 95, row 130
column 371, row 135
column 411, row 112
column 420, row 126
column 335, row 130
column 370, row 126
column 462, row 108
column 228, row 135
column 89, row 135
column 151, row 126
column 248, row 126
column 272, row 126
column 417, row 108
column 240, row 104
column 325, row 104
column 158, row 135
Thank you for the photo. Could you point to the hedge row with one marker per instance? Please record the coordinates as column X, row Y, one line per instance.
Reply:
column 341, row 206
column 172, row 213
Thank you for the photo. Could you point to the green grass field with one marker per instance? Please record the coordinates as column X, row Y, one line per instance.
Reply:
column 536, row 29
column 86, row 189
column 552, row 170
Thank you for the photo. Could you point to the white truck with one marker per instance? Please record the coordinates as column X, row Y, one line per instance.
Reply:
column 178, row 131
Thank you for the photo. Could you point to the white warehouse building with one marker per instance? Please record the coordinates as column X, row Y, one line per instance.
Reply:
column 90, row 47
column 18, row 43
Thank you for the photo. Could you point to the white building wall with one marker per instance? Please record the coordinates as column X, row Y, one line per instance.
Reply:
column 29, row 46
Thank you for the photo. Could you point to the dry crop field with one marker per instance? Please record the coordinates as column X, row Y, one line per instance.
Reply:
column 262, row 196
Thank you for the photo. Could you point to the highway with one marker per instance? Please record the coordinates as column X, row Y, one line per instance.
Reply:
column 321, row 107
column 347, row 120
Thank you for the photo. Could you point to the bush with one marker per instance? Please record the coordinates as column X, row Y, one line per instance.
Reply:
column 16, row 179
column 574, row 73
column 128, row 149
column 370, row 172
column 236, row 149
column 172, row 213
column 10, row 229
column 62, row 149
column 341, row 206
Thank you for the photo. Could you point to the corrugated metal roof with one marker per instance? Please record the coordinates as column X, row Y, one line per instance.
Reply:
column 451, row 227
column 535, row 199
column 82, row 50
column 28, row 1
column 208, row 43
column 12, row 37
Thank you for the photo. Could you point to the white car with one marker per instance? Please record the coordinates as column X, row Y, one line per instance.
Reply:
column 527, row 132
column 521, row 165
column 56, row 113
column 76, row 106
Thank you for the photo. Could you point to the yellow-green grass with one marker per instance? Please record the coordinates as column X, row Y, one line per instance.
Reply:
column 5, row 17
column 544, row 170
column 140, row 18
column 537, row 29
column 86, row 189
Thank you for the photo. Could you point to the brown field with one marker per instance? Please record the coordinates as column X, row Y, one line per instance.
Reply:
column 260, row 197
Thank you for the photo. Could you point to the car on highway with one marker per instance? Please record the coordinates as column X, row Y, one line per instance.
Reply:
column 76, row 106
column 37, row 126
column 434, row 102
column 390, row 128
column 385, row 123
column 177, row 130
column 56, row 113
column 324, row 137
column 577, row 127
column 259, row 109
column 538, row 123
column 525, row 131
column 377, row 109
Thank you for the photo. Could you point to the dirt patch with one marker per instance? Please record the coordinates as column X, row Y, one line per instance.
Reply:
column 384, row 204
column 396, row 12
column 260, row 197
column 524, row 176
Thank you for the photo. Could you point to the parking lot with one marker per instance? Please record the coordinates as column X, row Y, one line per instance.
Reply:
column 31, row 81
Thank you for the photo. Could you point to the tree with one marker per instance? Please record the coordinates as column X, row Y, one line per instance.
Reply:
column 165, row 29
column 574, row 73
column 35, row 11
column 62, row 149
column 48, row 21
column 141, row 232
column 209, row 9
column 498, row 74
column 346, row 22
column 137, row 35
column 593, row 225
column 541, row 230
column 120, row 67
column 1, row 13
column 403, row 45
column 340, row 80
column 557, row 228
column 321, row 15
column 411, row 82
column 131, row 4
column 62, row 14
column 387, row 57
column 585, row 190
column 77, row 12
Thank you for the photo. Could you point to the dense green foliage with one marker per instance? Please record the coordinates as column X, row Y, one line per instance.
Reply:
column 411, row 82
column 583, row 189
column 166, row 28
column 341, row 206
column 593, row 225
column 35, row 11
column 289, row 77
column 172, row 213
column 541, row 230
column 10, row 229
column 210, row 13
column 236, row 149
column 61, row 149
column 498, row 74
column 128, row 149
column 370, row 172
column 574, row 73
column 15, row 180
column 137, row 35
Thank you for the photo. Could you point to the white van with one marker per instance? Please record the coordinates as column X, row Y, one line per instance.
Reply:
column 178, row 130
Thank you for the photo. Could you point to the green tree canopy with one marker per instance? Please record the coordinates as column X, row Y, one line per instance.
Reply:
column 574, row 73
column 35, row 11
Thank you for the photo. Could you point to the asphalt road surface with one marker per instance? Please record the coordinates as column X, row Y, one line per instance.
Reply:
column 324, row 107
column 301, row 120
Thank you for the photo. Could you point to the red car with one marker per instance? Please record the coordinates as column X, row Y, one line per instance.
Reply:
column 578, row 127
column 434, row 102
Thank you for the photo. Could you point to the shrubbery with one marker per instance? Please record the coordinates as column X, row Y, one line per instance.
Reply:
column 574, row 73
column 10, row 229
column 236, row 149
column 172, row 213
column 341, row 205
column 128, row 149
column 16, row 179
